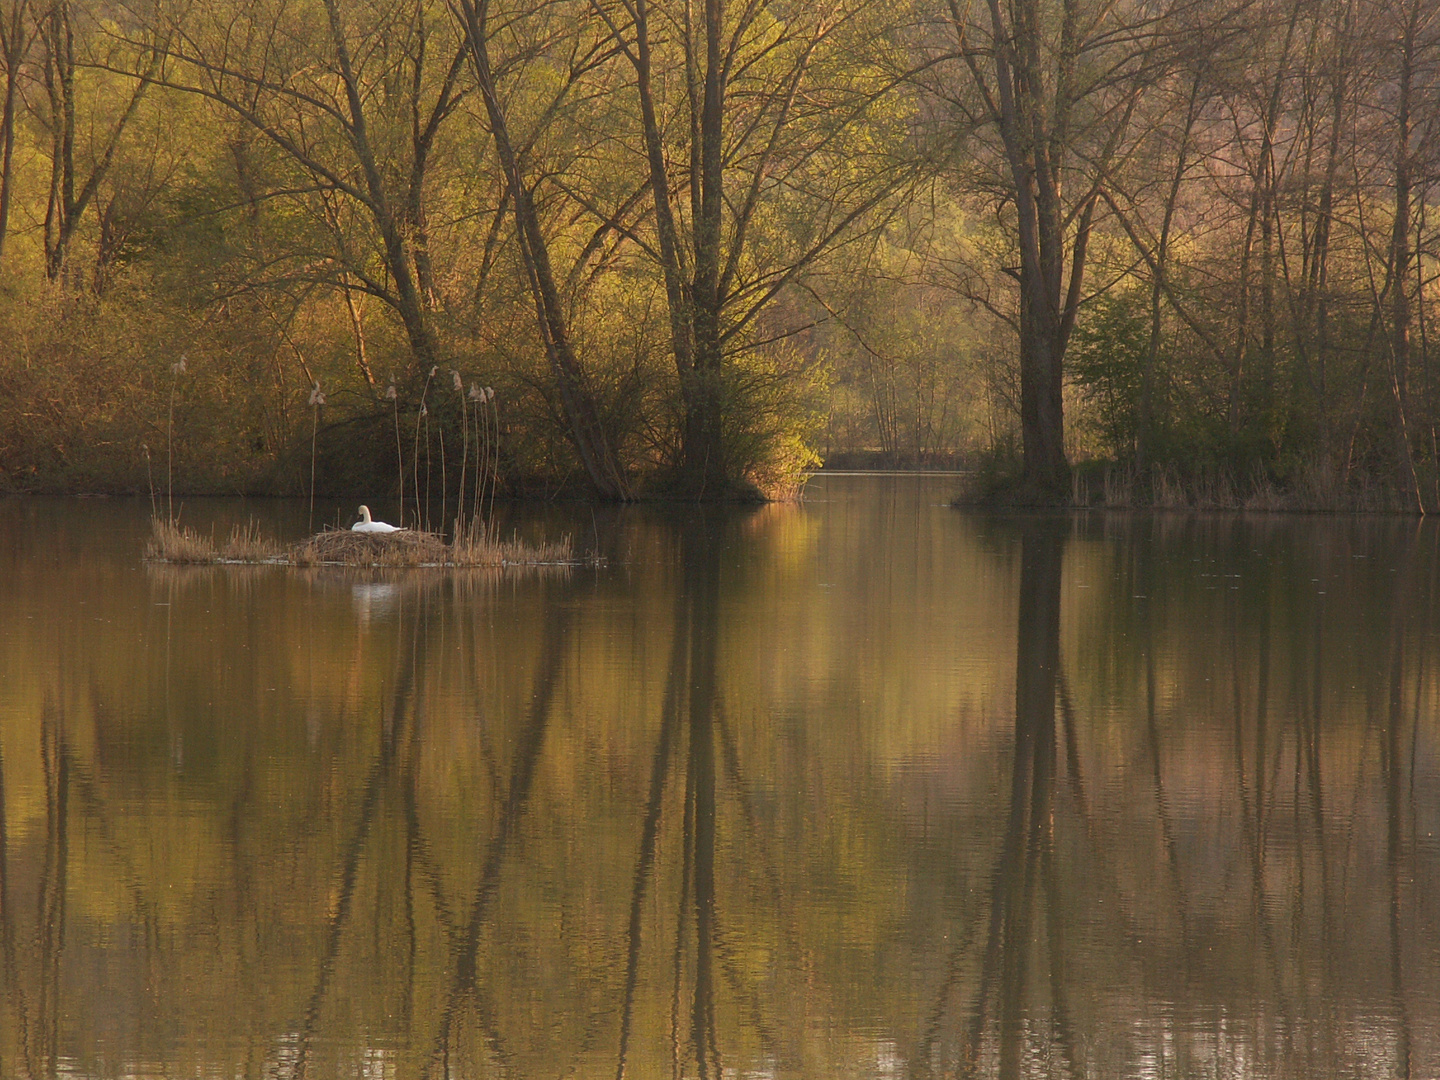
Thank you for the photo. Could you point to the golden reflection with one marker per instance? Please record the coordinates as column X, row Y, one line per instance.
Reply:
column 862, row 788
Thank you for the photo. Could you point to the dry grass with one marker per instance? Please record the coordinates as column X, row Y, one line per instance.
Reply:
column 174, row 543
column 477, row 547
column 248, row 545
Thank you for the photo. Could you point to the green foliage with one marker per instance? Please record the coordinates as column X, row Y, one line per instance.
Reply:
column 775, row 414
column 243, row 214
column 1107, row 357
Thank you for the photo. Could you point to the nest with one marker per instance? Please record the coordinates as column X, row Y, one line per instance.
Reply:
column 409, row 547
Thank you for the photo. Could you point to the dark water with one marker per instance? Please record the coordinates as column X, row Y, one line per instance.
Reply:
column 866, row 787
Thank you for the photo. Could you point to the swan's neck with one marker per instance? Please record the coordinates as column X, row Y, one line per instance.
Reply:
column 365, row 514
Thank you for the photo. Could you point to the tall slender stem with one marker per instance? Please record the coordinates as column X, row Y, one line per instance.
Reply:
column 464, row 455
column 314, row 431
column 399, row 452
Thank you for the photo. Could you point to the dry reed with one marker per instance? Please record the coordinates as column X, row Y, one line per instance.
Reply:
column 175, row 543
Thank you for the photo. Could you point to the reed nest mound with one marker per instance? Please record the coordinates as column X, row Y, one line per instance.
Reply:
column 409, row 547
column 476, row 547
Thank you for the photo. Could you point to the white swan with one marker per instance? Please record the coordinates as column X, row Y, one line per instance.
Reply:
column 366, row 525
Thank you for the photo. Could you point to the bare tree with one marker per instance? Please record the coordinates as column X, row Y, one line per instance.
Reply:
column 1049, row 91
column 741, row 108
column 16, row 35
column 591, row 440
column 1417, row 20
column 73, row 187
column 353, row 97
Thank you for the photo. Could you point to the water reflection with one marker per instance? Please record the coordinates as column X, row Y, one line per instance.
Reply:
column 862, row 788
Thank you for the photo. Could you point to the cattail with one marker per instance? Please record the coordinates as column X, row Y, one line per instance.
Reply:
column 176, row 370
column 481, row 447
column 495, row 466
column 422, row 519
column 394, row 397
column 150, row 478
column 317, row 399
column 459, row 385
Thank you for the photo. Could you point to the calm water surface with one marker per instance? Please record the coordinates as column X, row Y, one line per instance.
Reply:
column 866, row 787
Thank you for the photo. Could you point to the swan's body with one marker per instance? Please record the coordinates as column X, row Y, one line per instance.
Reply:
column 367, row 525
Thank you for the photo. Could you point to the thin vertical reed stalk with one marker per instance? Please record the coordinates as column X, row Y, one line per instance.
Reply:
column 489, row 439
column 478, row 494
column 495, row 455
column 150, row 479
column 317, row 399
column 464, row 451
column 176, row 370
column 444, row 482
column 394, row 396
column 419, row 418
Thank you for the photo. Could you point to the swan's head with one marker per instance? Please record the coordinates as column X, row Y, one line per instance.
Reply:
column 365, row 514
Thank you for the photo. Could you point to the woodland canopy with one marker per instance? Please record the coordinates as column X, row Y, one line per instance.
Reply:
column 697, row 247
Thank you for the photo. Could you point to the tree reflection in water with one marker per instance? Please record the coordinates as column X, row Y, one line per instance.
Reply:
column 732, row 810
column 1024, row 883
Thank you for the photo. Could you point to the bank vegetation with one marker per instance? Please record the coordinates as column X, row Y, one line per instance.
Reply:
column 694, row 249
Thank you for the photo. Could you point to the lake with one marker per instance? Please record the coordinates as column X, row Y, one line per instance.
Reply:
column 861, row 787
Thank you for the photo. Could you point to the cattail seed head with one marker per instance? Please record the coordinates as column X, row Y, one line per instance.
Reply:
column 456, row 381
column 475, row 394
column 178, row 368
column 423, row 410
column 317, row 396
column 390, row 394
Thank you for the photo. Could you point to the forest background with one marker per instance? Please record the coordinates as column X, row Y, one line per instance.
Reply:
column 1116, row 251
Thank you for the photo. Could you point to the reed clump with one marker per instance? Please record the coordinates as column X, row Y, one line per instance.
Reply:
column 473, row 546
column 175, row 543
column 477, row 545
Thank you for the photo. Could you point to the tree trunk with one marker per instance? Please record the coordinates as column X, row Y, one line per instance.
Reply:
column 1324, row 225
column 1400, row 268
column 13, row 47
column 1034, row 127
column 65, row 206
column 1144, row 430
column 704, row 453
column 409, row 302
column 1042, row 410
column 586, row 431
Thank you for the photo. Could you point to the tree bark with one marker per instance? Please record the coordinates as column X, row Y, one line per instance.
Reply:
column 585, row 429
column 1035, row 131
column 1400, row 256
column 65, row 206
column 14, row 43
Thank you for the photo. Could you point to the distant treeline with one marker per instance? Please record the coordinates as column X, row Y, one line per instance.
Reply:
column 691, row 247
